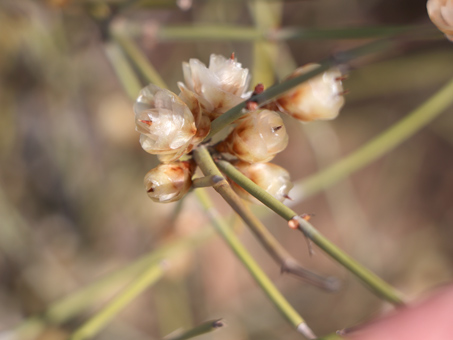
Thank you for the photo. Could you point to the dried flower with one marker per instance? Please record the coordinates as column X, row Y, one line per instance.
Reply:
column 166, row 123
column 169, row 182
column 218, row 87
column 319, row 98
column 272, row 178
column 441, row 14
column 258, row 137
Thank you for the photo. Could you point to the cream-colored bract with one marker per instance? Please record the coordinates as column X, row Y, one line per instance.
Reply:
column 165, row 122
column 319, row 98
column 257, row 137
column 272, row 178
column 218, row 87
column 169, row 182
column 441, row 14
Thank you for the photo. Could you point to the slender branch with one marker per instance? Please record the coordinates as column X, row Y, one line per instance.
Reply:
column 139, row 59
column 380, row 145
column 244, row 256
column 340, row 58
column 204, row 328
column 99, row 321
column 287, row 263
column 376, row 284
column 246, row 33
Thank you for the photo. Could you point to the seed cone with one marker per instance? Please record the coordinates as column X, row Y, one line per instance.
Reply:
column 319, row 98
column 258, row 137
column 169, row 182
column 272, row 178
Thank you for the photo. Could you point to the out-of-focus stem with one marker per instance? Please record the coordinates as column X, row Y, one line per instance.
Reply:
column 380, row 145
column 64, row 309
column 100, row 320
column 244, row 256
column 123, row 70
column 139, row 59
column 273, row 247
column 372, row 281
column 238, row 33
column 204, row 328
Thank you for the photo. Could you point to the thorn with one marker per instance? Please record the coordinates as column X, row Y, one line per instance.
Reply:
column 342, row 93
column 287, row 197
column 275, row 129
column 147, row 122
column 307, row 217
column 232, row 56
column 341, row 78
column 218, row 323
column 251, row 106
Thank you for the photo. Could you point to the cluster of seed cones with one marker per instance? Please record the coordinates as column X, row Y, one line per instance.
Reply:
column 171, row 125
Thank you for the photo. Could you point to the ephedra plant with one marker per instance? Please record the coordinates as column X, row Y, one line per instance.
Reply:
column 182, row 130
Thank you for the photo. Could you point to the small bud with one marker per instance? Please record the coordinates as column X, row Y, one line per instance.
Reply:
column 272, row 178
column 169, row 182
column 319, row 98
column 441, row 14
column 258, row 137
column 218, row 87
column 165, row 122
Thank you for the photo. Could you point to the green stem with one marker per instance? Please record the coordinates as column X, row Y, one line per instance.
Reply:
column 99, row 321
column 204, row 328
column 376, row 284
column 123, row 70
column 243, row 255
column 139, row 59
column 245, row 33
column 380, row 145
column 340, row 58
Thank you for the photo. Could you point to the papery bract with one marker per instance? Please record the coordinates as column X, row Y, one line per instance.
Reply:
column 165, row 122
column 319, row 98
column 270, row 177
column 441, row 14
column 258, row 137
column 169, row 182
column 218, row 87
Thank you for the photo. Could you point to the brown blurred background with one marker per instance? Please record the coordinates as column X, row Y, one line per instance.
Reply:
column 73, row 206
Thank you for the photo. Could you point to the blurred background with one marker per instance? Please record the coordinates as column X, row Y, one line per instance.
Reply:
column 72, row 203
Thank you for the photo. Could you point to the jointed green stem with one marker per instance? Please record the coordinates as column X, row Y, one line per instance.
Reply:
column 372, row 281
column 380, row 145
column 254, row 269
